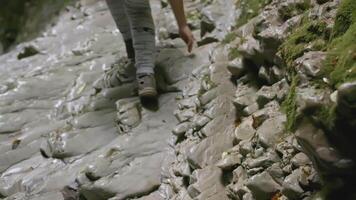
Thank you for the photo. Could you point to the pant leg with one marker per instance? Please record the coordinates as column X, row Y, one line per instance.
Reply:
column 143, row 34
column 117, row 9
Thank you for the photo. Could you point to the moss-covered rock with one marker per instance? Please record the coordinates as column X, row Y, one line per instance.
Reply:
column 229, row 38
column 249, row 9
column 340, row 65
column 289, row 10
column 289, row 106
column 311, row 36
column 345, row 17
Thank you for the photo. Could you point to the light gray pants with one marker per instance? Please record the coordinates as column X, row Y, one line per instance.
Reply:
column 134, row 20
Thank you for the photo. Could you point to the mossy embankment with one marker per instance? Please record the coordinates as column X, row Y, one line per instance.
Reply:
column 340, row 65
column 339, row 43
column 310, row 36
column 21, row 20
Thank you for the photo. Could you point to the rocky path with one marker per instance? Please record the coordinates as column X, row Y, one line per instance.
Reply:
column 59, row 135
column 238, row 119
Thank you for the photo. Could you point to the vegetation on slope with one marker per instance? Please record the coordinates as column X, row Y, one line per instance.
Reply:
column 340, row 65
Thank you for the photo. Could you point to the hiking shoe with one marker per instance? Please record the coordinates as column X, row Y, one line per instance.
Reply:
column 121, row 72
column 147, row 86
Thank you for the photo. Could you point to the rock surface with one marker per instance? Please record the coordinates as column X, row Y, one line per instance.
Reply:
column 238, row 119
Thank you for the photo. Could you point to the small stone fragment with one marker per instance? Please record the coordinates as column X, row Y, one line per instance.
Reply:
column 245, row 130
column 181, row 128
column 291, row 187
column 271, row 130
column 263, row 186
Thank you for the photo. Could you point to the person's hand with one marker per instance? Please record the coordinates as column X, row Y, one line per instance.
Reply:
column 187, row 36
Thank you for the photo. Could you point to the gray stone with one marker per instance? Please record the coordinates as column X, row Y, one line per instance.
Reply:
column 270, row 110
column 230, row 159
column 245, row 96
column 189, row 103
column 291, row 187
column 248, row 196
column 277, row 91
column 248, row 28
column 236, row 67
column 276, row 172
column 346, row 102
column 237, row 188
column 208, row 96
column 311, row 97
column 209, row 150
column 214, row 126
column 182, row 194
column 249, row 110
column 275, row 33
column 94, row 119
column 184, row 115
column 288, row 169
column 271, row 130
column 200, row 121
column 306, row 171
column 128, row 113
column 57, row 102
column 300, row 159
column 218, row 18
column 263, row 161
column 245, row 130
column 239, row 175
column 245, row 147
column 207, row 184
column 251, row 49
column 263, row 186
column 310, row 64
column 317, row 146
column 254, row 171
column 181, row 128
column 265, row 95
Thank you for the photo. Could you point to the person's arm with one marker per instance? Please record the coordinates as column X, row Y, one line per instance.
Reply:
column 184, row 30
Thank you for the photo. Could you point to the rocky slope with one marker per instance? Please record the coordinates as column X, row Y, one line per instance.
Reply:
column 263, row 109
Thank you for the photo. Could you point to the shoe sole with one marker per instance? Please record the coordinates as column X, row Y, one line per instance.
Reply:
column 148, row 92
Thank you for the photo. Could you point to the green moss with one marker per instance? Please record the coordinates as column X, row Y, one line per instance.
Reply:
column 289, row 11
column 319, row 45
column 345, row 17
column 233, row 53
column 193, row 15
column 289, row 105
column 326, row 115
column 340, row 64
column 311, row 34
column 249, row 9
column 229, row 38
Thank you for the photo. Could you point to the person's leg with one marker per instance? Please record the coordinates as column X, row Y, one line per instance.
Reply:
column 143, row 34
column 117, row 9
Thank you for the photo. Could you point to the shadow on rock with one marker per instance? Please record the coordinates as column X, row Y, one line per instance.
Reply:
column 150, row 103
